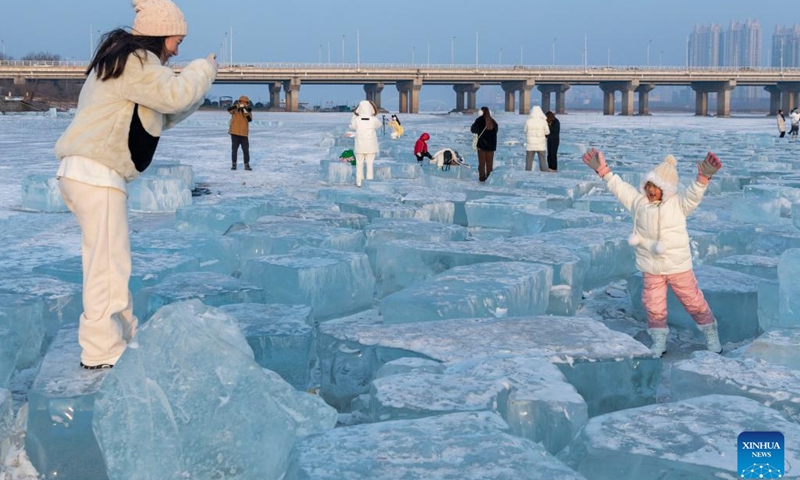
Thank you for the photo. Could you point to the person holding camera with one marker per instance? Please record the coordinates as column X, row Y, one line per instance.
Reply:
column 241, row 116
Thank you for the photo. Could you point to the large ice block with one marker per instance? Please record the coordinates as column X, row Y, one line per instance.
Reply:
column 756, row 265
column 275, row 235
column 464, row 446
column 374, row 210
column 207, row 248
column 6, row 424
column 333, row 218
column 694, row 438
column 61, row 403
column 732, row 297
column 191, row 399
column 605, row 204
column 214, row 289
column 22, row 314
column 62, row 302
column 40, row 192
column 541, row 182
column 9, row 351
column 218, row 217
column 333, row 282
column 546, row 221
column 282, row 338
column 531, row 394
column 337, row 172
column 158, row 194
column 384, row 229
column 780, row 346
column 147, row 268
column 706, row 373
column 757, row 209
column 501, row 211
column 493, row 289
column 609, row 369
column 174, row 170
column 400, row 263
column 789, row 288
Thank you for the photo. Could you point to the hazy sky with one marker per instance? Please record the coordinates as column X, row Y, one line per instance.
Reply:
column 394, row 32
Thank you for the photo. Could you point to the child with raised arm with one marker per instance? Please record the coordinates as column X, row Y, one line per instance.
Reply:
column 661, row 241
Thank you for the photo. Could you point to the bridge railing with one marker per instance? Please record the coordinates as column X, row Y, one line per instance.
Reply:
column 430, row 67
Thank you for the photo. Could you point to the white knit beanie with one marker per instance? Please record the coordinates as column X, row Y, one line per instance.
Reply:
column 158, row 18
column 665, row 177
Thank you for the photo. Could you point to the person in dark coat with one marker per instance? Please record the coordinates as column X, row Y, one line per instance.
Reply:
column 486, row 128
column 553, row 139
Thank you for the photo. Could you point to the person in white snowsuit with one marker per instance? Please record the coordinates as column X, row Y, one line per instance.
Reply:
column 365, row 123
column 536, row 132
column 661, row 242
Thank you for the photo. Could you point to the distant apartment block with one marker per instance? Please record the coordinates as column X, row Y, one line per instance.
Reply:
column 785, row 47
column 742, row 44
column 705, row 46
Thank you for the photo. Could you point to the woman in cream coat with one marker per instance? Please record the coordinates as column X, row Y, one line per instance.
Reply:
column 128, row 98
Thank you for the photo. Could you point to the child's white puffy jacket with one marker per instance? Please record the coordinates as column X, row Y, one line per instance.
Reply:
column 659, row 237
column 365, row 123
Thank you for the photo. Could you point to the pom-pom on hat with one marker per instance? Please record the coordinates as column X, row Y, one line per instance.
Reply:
column 244, row 98
column 158, row 18
column 665, row 176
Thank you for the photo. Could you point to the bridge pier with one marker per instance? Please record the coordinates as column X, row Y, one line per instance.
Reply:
column 292, row 89
column 470, row 90
column 627, row 89
column 560, row 91
column 524, row 88
column 790, row 92
column 644, row 97
column 373, row 91
column 275, row 96
column 774, row 99
column 409, row 95
column 19, row 80
column 723, row 91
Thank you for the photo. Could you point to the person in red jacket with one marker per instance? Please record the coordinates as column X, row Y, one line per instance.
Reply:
column 421, row 148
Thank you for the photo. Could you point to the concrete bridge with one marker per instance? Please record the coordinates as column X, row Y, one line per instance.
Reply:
column 517, row 82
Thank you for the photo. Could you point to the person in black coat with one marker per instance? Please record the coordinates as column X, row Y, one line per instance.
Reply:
column 552, row 141
column 486, row 128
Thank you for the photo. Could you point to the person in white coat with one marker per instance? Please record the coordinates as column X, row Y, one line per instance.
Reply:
column 130, row 96
column 794, row 117
column 661, row 241
column 536, row 132
column 365, row 123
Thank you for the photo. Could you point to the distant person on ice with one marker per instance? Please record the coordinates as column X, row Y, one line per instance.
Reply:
column 781, row 124
column 485, row 127
column 241, row 116
column 553, row 141
column 365, row 123
column 795, row 119
column 397, row 128
column 661, row 241
column 536, row 132
column 128, row 99
column 421, row 148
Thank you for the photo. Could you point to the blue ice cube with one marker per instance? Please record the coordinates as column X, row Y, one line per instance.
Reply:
column 214, row 289
column 205, row 247
column 174, row 170
column 333, row 282
column 706, row 373
column 531, row 394
column 789, row 290
column 282, row 338
column 503, row 211
column 61, row 404
column 40, row 192
column 493, row 289
column 22, row 314
column 62, row 302
column 218, row 218
column 336, row 172
column 693, row 438
column 158, row 194
column 189, row 395
column 9, row 351
column 780, row 346
column 465, row 446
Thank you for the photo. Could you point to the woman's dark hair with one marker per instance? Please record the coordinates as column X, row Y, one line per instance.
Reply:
column 488, row 120
column 115, row 48
column 396, row 119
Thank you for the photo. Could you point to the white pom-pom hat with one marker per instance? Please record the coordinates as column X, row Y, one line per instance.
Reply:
column 158, row 18
column 665, row 177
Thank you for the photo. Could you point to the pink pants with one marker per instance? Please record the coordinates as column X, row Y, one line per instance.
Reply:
column 684, row 284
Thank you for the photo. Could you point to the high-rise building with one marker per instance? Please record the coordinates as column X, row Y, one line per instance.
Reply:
column 742, row 44
column 786, row 47
column 705, row 46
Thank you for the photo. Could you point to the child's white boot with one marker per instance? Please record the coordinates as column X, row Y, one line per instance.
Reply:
column 712, row 336
column 659, row 337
